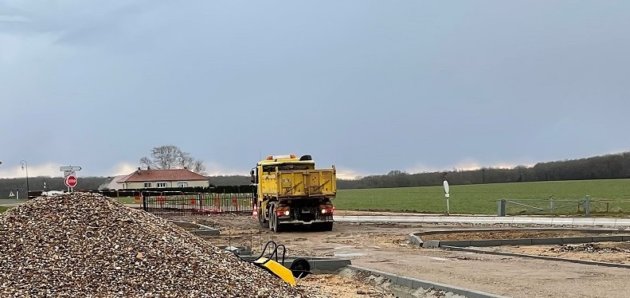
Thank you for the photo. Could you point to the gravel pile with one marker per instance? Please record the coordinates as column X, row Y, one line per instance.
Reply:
column 589, row 248
column 85, row 245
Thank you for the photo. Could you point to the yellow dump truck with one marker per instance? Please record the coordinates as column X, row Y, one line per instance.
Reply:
column 290, row 191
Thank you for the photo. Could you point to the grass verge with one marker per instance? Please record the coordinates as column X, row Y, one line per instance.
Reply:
column 609, row 197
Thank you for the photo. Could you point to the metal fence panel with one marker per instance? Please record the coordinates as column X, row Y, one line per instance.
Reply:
column 585, row 206
column 198, row 203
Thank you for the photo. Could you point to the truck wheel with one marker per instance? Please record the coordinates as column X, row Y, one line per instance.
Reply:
column 275, row 226
column 272, row 212
column 261, row 219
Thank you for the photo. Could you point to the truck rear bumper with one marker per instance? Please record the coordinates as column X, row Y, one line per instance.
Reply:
column 301, row 222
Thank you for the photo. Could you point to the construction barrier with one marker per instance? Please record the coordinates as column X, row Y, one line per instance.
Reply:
column 198, row 203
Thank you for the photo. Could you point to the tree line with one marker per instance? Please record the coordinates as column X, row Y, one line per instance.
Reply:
column 40, row 183
column 611, row 166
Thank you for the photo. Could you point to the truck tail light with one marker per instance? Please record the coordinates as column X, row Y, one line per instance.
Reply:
column 283, row 211
column 326, row 209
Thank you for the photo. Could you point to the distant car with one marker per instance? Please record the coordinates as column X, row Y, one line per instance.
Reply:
column 51, row 193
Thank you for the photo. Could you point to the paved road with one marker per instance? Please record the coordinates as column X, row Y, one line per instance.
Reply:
column 10, row 202
column 622, row 222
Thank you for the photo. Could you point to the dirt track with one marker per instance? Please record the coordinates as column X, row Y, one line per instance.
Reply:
column 384, row 247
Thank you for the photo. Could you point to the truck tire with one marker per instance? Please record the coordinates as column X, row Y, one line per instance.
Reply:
column 261, row 219
column 274, row 225
column 272, row 211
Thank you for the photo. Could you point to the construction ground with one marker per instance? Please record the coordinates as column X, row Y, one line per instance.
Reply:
column 386, row 247
column 383, row 242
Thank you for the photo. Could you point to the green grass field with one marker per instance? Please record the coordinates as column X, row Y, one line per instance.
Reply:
column 608, row 197
column 612, row 195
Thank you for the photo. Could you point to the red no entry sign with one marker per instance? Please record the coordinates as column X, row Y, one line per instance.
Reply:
column 71, row 181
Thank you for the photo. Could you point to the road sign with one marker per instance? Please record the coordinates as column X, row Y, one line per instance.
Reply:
column 447, row 195
column 11, row 194
column 69, row 168
column 71, row 181
column 446, row 189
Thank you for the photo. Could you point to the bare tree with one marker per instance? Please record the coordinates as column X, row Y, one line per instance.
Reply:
column 198, row 167
column 146, row 162
column 171, row 157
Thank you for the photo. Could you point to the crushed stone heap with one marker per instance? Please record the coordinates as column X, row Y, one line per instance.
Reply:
column 86, row 245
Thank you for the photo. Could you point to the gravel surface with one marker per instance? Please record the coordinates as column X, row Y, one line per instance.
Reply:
column 85, row 245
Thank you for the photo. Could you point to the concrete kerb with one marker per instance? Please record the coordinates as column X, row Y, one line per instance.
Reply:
column 324, row 265
column 546, row 258
column 415, row 238
column 414, row 283
column 608, row 238
column 206, row 231
column 546, row 241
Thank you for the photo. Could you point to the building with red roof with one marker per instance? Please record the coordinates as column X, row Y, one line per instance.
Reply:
column 172, row 178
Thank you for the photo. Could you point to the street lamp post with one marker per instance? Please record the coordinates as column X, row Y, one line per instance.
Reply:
column 25, row 168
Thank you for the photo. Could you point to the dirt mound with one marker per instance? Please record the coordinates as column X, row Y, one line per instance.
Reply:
column 89, row 246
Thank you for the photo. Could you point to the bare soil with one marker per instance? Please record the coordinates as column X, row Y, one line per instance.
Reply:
column 609, row 252
column 343, row 286
column 385, row 247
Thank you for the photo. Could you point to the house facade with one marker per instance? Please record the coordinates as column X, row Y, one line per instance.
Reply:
column 173, row 178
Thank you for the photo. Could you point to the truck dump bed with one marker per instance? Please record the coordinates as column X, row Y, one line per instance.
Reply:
column 302, row 183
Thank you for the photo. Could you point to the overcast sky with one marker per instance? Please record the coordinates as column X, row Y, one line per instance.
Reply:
column 370, row 86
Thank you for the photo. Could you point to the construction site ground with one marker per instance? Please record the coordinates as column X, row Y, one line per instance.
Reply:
column 385, row 247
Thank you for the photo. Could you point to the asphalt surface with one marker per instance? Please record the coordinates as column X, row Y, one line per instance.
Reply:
column 621, row 222
column 10, row 202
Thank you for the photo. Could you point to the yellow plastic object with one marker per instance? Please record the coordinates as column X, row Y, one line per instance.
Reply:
column 277, row 269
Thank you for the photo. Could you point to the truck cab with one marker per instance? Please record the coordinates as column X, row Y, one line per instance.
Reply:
column 291, row 191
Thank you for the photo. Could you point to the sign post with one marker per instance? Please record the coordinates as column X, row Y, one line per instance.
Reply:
column 446, row 196
column 70, row 176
